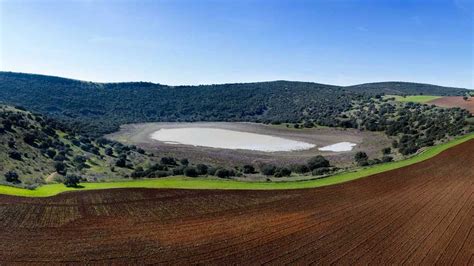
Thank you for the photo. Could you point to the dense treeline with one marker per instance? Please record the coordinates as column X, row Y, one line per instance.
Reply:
column 412, row 125
column 97, row 108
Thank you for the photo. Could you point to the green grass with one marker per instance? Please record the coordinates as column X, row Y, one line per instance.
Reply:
column 414, row 98
column 208, row 183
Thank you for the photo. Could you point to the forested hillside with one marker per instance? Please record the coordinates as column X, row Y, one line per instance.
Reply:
column 97, row 108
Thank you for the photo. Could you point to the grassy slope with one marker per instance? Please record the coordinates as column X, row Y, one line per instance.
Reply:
column 414, row 98
column 205, row 183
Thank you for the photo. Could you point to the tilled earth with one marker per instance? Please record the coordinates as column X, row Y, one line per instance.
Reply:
column 454, row 101
column 423, row 213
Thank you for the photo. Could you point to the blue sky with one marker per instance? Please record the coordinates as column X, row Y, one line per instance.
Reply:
column 201, row 42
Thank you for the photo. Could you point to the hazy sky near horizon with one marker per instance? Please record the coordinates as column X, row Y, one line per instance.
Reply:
column 200, row 42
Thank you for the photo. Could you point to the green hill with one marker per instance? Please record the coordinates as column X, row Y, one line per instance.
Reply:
column 35, row 150
column 98, row 108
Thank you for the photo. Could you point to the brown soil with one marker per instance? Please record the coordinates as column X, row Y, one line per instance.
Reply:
column 421, row 214
column 454, row 101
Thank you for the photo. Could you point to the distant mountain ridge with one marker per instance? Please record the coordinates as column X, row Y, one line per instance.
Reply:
column 98, row 108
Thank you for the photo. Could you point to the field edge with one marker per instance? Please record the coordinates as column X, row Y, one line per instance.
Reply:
column 180, row 182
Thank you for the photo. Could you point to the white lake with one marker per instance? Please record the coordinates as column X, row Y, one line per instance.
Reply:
column 228, row 139
column 338, row 147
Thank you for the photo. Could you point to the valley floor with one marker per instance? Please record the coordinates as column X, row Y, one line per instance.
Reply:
column 421, row 213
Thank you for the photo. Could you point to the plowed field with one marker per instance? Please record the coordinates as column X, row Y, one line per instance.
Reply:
column 422, row 213
column 454, row 101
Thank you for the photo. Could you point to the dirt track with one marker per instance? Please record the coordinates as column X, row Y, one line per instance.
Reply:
column 455, row 101
column 419, row 214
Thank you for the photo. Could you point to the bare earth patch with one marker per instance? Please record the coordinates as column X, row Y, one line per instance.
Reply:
column 370, row 142
column 454, row 101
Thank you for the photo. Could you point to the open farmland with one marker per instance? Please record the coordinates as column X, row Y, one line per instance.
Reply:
column 454, row 101
column 418, row 214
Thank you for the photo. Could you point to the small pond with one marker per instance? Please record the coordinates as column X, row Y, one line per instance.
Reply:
column 228, row 139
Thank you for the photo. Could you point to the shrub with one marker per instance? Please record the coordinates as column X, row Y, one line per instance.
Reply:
column 168, row 161
column 282, row 171
column 321, row 171
column 190, row 171
column 178, row 170
column 60, row 167
column 12, row 177
column 202, row 169
column 15, row 155
column 72, row 180
column 248, row 169
column 317, row 162
column 121, row 162
column 387, row 159
column 300, row 168
column 108, row 151
column 361, row 158
column 268, row 169
column 184, row 162
column 222, row 173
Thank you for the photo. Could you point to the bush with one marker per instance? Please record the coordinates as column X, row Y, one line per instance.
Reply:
column 321, row 171
column 268, row 169
column 15, row 155
column 282, row 171
column 300, row 168
column 178, row 170
column 184, row 162
column 248, row 169
column 12, row 177
column 121, row 162
column 222, row 173
column 168, row 161
column 60, row 167
column 108, row 151
column 387, row 159
column 317, row 162
column 361, row 158
column 202, row 169
column 190, row 171
column 72, row 180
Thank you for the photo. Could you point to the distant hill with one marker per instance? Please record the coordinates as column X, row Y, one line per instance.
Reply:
column 98, row 108
column 408, row 88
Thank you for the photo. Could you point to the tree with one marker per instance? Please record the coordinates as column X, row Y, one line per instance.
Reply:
column 51, row 153
column 361, row 158
column 60, row 168
column 184, row 162
column 317, row 162
column 222, row 173
column 268, row 169
column 108, row 151
column 282, row 171
column 12, row 177
column 386, row 151
column 15, row 155
column 72, row 180
column 248, row 169
column 202, row 169
column 190, row 171
column 300, row 168
column 121, row 162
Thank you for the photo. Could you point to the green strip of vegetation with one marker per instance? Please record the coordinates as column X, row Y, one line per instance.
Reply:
column 207, row 183
column 414, row 98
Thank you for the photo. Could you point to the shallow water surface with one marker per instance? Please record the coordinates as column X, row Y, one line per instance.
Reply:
column 338, row 147
column 228, row 139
